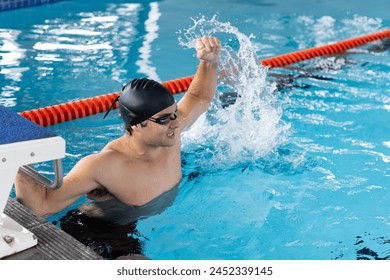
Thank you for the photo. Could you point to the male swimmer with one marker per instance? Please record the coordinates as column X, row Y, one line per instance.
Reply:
column 136, row 175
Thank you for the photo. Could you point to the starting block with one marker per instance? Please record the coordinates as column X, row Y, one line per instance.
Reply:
column 22, row 143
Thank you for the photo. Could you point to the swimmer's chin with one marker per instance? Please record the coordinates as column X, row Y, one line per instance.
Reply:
column 170, row 140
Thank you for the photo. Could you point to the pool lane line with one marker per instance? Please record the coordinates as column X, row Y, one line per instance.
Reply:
column 55, row 114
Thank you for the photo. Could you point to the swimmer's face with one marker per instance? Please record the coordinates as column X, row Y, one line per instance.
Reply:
column 160, row 129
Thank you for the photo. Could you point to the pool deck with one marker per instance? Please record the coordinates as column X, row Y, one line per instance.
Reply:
column 53, row 243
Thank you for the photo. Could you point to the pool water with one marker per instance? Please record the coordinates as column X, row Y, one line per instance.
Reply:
column 295, row 166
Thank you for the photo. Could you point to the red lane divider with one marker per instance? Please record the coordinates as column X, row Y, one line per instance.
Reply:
column 51, row 115
column 338, row 47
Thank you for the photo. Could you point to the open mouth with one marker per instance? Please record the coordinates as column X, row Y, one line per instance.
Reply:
column 171, row 134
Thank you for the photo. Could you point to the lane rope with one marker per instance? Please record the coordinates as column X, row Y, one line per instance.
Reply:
column 55, row 114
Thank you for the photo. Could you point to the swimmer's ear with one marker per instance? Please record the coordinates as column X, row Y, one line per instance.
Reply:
column 142, row 124
column 129, row 129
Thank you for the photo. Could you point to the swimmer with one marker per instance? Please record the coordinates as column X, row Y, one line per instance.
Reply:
column 136, row 175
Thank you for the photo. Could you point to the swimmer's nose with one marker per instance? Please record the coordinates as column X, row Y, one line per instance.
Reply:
column 174, row 123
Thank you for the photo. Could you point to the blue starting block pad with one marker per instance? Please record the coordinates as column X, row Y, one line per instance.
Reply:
column 15, row 128
column 22, row 143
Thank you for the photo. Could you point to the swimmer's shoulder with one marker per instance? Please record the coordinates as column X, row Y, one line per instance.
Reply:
column 108, row 168
column 114, row 151
column 101, row 164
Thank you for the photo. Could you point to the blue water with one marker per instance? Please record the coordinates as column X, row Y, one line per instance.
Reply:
column 297, row 168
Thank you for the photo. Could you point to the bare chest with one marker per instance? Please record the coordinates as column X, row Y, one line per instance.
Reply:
column 138, row 183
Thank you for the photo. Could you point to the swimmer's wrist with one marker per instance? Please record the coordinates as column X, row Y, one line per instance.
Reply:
column 207, row 63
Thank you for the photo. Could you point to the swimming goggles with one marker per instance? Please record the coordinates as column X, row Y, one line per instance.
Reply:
column 164, row 120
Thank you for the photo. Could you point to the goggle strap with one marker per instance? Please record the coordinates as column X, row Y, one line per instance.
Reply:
column 112, row 105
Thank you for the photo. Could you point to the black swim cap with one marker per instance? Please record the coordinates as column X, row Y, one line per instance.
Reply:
column 141, row 99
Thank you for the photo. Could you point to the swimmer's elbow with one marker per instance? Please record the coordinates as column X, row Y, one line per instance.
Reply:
column 37, row 204
column 36, row 199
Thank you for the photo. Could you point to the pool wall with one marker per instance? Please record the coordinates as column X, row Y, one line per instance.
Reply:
column 6, row 5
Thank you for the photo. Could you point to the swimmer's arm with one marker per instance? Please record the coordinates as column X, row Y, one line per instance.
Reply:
column 44, row 202
column 202, row 89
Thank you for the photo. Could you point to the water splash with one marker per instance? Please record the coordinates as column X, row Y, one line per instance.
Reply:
column 245, row 120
